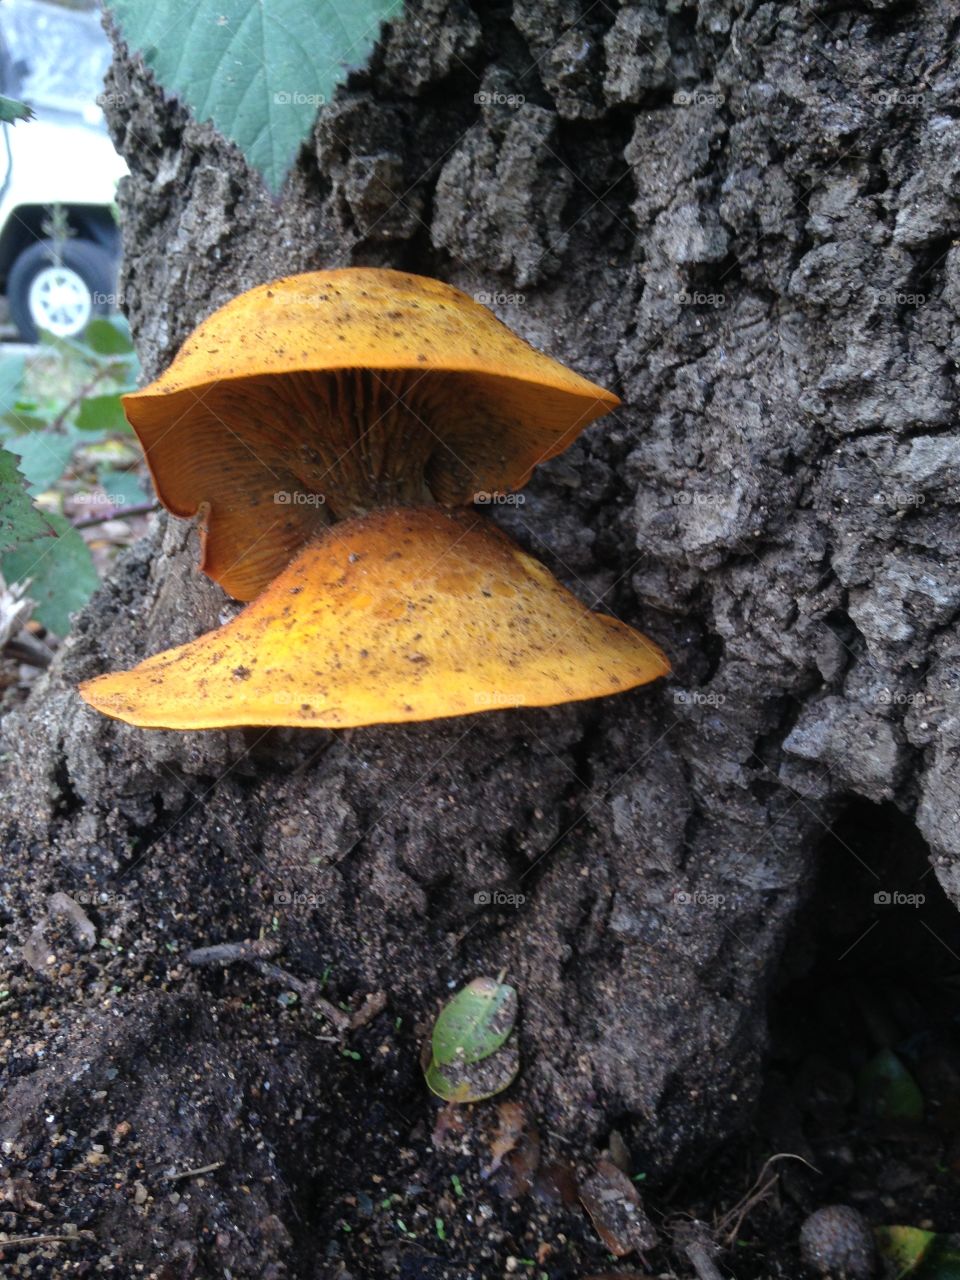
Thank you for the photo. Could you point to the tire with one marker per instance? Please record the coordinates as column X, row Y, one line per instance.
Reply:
column 60, row 291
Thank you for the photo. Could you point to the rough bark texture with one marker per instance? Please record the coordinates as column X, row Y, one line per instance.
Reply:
column 740, row 217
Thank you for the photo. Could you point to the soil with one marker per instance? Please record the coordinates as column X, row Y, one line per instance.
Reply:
column 741, row 218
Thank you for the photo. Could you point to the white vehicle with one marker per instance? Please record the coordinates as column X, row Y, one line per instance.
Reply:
column 54, row 59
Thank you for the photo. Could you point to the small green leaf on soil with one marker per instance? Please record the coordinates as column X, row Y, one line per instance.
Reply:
column 919, row 1254
column 888, row 1091
column 474, row 1081
column 475, row 1023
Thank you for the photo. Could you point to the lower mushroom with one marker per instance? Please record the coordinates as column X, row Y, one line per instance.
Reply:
column 400, row 615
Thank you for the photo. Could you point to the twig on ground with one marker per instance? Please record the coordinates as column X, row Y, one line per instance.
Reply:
column 259, row 952
column 195, row 1173
column 117, row 513
column 230, row 952
column 19, row 1241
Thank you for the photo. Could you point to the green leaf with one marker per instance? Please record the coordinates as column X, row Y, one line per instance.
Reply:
column 460, row 1082
column 887, row 1090
column 11, row 110
column 102, row 413
column 475, row 1023
column 124, row 488
column 61, row 571
column 108, row 336
column 259, row 69
column 44, row 456
column 11, row 381
column 922, row 1255
column 20, row 521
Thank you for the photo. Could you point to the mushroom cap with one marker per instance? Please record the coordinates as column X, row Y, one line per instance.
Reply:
column 401, row 615
column 279, row 391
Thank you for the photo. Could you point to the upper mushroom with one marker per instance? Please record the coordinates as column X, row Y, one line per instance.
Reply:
column 323, row 396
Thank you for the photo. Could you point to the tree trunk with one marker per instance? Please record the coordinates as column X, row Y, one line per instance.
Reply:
column 740, row 218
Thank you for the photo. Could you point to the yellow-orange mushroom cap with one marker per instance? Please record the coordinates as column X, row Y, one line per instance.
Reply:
column 404, row 614
column 325, row 395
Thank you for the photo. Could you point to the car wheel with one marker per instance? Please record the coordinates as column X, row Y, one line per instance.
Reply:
column 60, row 288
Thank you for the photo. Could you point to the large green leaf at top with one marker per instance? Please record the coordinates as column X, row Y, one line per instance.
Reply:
column 60, row 571
column 258, row 69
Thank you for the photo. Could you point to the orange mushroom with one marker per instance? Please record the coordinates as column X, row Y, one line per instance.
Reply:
column 323, row 396
column 400, row 615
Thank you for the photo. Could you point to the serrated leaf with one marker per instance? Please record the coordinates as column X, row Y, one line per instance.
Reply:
column 44, row 456
column 61, row 571
column 20, row 521
column 258, row 69
column 12, row 110
column 475, row 1023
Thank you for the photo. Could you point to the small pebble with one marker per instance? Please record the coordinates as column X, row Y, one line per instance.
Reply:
column 837, row 1242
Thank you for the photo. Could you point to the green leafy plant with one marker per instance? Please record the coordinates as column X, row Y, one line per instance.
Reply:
column 64, row 441
column 258, row 69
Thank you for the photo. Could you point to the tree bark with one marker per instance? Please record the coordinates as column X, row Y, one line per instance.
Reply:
column 741, row 218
